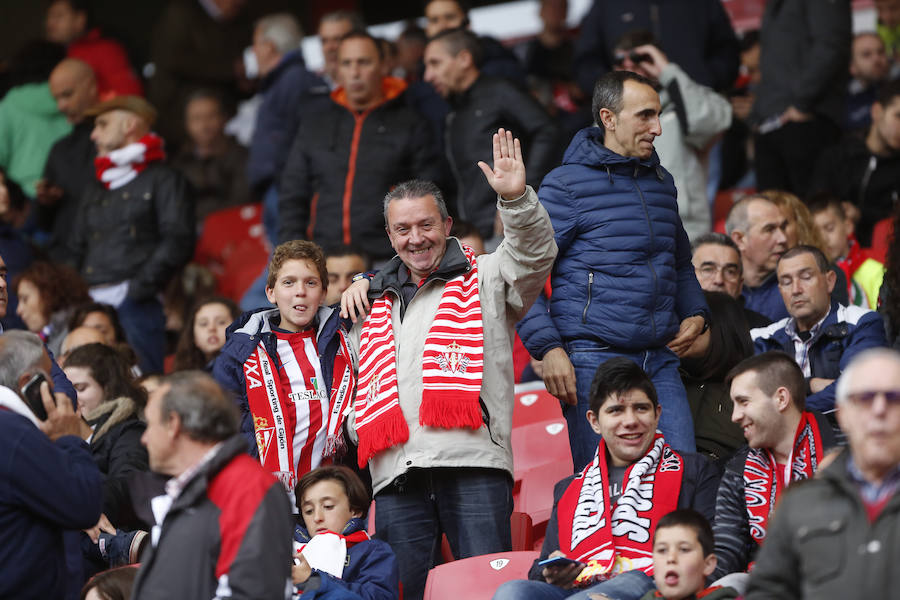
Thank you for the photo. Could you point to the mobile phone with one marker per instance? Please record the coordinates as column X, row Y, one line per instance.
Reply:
column 31, row 391
column 558, row 561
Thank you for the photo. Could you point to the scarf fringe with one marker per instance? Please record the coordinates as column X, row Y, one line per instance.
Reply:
column 450, row 410
column 385, row 432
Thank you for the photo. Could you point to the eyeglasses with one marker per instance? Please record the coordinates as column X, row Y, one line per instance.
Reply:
column 867, row 398
column 729, row 272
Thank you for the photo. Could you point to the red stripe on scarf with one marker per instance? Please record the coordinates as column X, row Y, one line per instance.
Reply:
column 761, row 483
column 452, row 366
column 153, row 151
column 606, row 537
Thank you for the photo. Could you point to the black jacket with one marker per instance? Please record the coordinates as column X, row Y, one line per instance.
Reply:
column 695, row 34
column 698, row 491
column 229, row 529
column 142, row 231
column 855, row 175
column 476, row 114
column 804, row 53
column 371, row 152
column 735, row 548
column 70, row 165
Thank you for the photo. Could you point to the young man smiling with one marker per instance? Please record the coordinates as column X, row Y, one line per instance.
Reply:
column 603, row 518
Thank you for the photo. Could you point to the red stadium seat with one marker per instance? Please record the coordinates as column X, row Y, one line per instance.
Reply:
column 534, row 404
column 881, row 238
column 521, row 529
column 535, row 497
column 541, row 443
column 477, row 578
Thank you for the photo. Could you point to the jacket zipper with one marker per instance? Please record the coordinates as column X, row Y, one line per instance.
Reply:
column 649, row 262
column 588, row 305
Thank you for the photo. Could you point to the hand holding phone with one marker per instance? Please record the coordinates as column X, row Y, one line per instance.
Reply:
column 560, row 570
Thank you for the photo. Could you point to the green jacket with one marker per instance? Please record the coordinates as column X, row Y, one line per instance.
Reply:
column 29, row 126
column 821, row 545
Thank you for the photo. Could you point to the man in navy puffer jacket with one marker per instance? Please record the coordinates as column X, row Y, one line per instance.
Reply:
column 623, row 284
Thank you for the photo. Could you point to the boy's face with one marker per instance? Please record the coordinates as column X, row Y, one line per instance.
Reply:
column 298, row 292
column 679, row 567
column 325, row 507
column 834, row 230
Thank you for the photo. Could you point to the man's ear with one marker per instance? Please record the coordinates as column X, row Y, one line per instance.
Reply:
column 783, row 399
column 607, row 119
column 737, row 237
column 465, row 59
column 830, row 279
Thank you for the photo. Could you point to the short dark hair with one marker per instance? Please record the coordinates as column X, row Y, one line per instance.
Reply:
column 353, row 486
column 610, row 88
column 617, row 376
column 361, row 34
column 817, row 254
column 690, row 518
column 342, row 250
column 351, row 16
column 460, row 39
column 888, row 93
column 716, row 238
column 774, row 369
column 462, row 4
column 634, row 38
column 207, row 413
column 823, row 201
column 297, row 250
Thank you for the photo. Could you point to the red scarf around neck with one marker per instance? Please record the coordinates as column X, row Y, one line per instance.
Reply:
column 614, row 539
column 762, row 484
column 452, row 366
column 275, row 417
column 124, row 164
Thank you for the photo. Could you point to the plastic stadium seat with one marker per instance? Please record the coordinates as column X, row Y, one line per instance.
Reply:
column 533, row 404
column 233, row 247
column 521, row 529
column 535, row 497
column 477, row 578
column 881, row 238
column 541, row 443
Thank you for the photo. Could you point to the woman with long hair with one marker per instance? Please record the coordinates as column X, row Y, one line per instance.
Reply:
column 204, row 334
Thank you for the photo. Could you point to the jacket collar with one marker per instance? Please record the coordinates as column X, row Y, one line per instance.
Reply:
column 289, row 59
column 258, row 322
column 391, row 88
column 453, row 263
column 198, row 484
column 587, row 148
column 301, row 534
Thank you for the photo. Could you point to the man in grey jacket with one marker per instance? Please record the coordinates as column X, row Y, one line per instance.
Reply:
column 835, row 535
column 434, row 403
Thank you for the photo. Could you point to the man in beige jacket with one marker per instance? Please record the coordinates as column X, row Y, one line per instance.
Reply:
column 434, row 403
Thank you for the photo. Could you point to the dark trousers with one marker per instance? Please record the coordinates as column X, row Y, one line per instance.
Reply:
column 786, row 157
column 471, row 506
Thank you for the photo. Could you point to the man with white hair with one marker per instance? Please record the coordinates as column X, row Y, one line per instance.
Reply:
column 286, row 86
column 835, row 535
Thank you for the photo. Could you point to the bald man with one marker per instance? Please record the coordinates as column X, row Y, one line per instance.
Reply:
column 80, row 336
column 135, row 225
column 70, row 164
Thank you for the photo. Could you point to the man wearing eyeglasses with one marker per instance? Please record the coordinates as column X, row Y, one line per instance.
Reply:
column 717, row 264
column 822, row 335
column 785, row 444
column 836, row 536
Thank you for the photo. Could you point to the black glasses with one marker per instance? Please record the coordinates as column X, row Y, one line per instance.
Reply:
column 867, row 398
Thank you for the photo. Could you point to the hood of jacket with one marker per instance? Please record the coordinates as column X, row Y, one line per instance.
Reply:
column 109, row 414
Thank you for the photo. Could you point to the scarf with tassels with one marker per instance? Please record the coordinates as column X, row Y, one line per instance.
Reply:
column 124, row 164
column 762, row 485
column 612, row 539
column 452, row 365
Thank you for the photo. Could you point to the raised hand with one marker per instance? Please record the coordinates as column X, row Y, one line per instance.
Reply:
column 508, row 175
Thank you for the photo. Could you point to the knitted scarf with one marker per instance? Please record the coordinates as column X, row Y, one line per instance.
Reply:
column 124, row 164
column 762, row 486
column 275, row 417
column 452, row 366
column 615, row 539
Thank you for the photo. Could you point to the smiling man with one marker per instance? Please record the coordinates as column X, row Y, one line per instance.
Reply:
column 785, row 443
column 603, row 517
column 822, row 335
column 623, row 284
column 434, row 402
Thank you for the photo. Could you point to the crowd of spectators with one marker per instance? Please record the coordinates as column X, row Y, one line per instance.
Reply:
column 241, row 298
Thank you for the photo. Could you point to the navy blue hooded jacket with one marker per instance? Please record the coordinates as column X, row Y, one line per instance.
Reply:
column 623, row 276
column 241, row 339
column 370, row 570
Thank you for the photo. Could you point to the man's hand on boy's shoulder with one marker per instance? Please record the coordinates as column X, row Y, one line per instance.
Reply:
column 355, row 300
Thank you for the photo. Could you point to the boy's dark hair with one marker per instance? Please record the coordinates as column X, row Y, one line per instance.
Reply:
column 353, row 486
column 297, row 250
column 610, row 89
column 343, row 250
column 617, row 376
column 690, row 518
column 458, row 39
column 774, row 369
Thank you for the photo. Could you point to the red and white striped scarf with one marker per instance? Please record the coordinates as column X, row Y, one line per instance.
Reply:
column 124, row 164
column 274, row 416
column 611, row 538
column 762, row 485
column 452, row 365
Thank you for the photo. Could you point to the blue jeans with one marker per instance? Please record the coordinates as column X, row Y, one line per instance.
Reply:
column 660, row 364
column 471, row 506
column 630, row 585
column 145, row 329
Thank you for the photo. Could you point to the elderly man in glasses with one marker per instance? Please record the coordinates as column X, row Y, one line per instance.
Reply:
column 836, row 535
column 822, row 335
